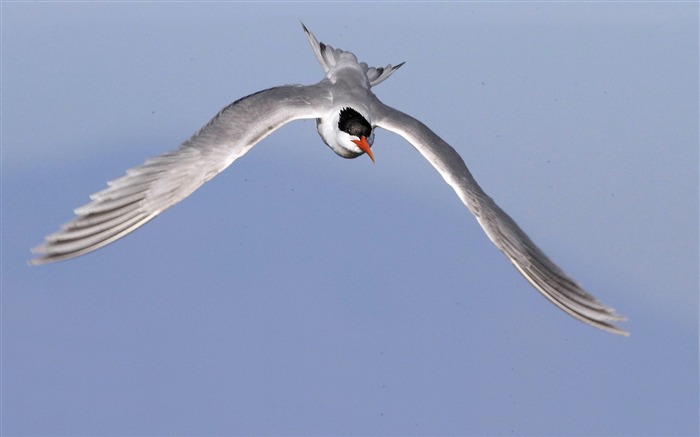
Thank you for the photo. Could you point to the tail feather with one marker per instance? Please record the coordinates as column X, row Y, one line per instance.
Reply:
column 328, row 56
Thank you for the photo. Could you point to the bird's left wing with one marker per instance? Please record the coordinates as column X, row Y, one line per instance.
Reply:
column 160, row 182
column 530, row 261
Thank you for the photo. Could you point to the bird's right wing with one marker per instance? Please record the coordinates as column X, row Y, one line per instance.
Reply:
column 530, row 261
column 160, row 182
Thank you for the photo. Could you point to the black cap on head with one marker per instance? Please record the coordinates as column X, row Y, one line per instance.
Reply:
column 353, row 123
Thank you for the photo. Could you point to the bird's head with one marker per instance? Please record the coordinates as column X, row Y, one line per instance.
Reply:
column 348, row 133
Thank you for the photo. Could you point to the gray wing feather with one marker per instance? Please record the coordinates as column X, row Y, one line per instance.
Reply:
column 530, row 261
column 145, row 191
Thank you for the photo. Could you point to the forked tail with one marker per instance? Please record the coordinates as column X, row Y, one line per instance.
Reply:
column 328, row 56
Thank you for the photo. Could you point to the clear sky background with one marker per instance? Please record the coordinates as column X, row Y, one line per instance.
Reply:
column 301, row 293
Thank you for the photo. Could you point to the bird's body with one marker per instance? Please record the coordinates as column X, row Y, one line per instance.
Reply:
column 346, row 113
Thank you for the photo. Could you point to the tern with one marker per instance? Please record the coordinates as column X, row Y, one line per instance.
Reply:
column 347, row 114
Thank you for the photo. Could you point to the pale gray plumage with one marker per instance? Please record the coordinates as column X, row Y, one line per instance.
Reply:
column 160, row 182
column 537, row 268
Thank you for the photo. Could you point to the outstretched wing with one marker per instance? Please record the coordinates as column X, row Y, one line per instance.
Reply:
column 160, row 182
column 532, row 263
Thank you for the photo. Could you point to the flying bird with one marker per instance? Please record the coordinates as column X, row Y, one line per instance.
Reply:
column 347, row 113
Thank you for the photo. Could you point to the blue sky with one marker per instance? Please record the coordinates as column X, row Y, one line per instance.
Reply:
column 301, row 293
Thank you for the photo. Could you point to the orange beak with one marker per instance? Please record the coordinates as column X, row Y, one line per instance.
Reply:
column 364, row 146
